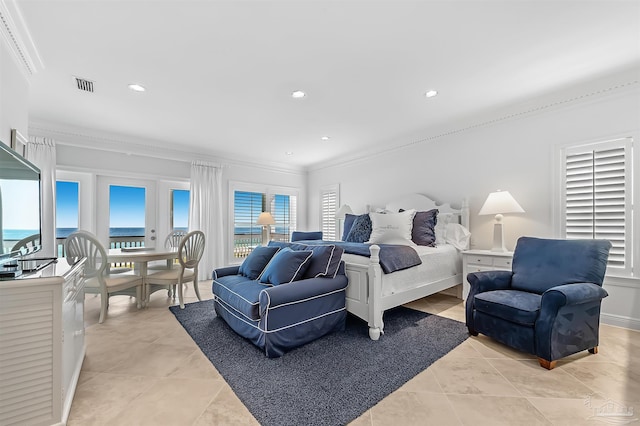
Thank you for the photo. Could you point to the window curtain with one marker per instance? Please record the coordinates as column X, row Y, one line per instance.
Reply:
column 205, row 214
column 42, row 152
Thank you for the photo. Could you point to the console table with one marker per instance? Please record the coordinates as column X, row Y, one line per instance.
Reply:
column 41, row 344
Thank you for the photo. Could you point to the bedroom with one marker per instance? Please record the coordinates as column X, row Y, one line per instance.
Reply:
column 516, row 150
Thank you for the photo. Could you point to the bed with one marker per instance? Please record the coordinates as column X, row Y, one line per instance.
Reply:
column 370, row 291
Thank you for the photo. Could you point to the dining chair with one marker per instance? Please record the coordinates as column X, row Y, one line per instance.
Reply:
column 27, row 244
column 98, row 280
column 172, row 240
column 190, row 252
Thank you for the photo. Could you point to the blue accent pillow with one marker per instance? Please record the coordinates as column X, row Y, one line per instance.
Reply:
column 257, row 260
column 286, row 266
column 361, row 230
column 300, row 235
column 325, row 260
column 348, row 223
column 423, row 232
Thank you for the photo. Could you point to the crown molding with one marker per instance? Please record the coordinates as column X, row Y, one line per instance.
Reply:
column 617, row 84
column 17, row 38
column 111, row 142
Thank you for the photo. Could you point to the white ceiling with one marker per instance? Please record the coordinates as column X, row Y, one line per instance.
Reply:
column 219, row 74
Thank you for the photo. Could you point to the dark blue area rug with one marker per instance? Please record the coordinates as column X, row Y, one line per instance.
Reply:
column 330, row 381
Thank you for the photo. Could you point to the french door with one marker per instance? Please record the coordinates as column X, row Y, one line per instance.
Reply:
column 126, row 212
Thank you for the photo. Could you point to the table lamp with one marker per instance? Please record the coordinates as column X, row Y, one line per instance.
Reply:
column 498, row 203
column 266, row 220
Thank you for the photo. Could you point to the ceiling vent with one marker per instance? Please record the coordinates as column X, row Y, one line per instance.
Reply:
column 83, row 84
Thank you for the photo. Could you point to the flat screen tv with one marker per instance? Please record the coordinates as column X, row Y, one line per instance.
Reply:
column 20, row 230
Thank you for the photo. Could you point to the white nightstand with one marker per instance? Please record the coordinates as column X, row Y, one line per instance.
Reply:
column 483, row 260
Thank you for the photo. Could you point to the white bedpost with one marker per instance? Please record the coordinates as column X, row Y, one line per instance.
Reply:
column 376, row 325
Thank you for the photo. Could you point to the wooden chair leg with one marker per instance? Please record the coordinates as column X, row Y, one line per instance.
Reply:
column 593, row 350
column 549, row 365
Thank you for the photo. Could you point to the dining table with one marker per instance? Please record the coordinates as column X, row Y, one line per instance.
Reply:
column 140, row 257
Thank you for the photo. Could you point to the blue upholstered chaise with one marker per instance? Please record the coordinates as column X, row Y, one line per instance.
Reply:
column 549, row 304
column 258, row 302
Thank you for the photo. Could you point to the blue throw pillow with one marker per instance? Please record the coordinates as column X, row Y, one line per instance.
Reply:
column 325, row 260
column 300, row 235
column 286, row 266
column 348, row 223
column 361, row 230
column 423, row 232
column 257, row 260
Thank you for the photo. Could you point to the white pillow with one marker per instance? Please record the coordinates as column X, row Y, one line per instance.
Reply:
column 457, row 235
column 441, row 227
column 392, row 228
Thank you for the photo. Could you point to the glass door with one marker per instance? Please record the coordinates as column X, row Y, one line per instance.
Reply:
column 126, row 212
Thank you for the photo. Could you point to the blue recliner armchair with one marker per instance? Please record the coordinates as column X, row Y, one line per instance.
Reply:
column 549, row 304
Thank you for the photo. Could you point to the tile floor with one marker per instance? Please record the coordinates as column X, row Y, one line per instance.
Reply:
column 141, row 368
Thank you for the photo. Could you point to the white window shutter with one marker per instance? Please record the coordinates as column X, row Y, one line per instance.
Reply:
column 328, row 208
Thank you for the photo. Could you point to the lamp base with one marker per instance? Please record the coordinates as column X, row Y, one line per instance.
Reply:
column 498, row 238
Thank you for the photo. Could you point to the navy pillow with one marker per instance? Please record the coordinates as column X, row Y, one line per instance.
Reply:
column 361, row 230
column 286, row 266
column 325, row 260
column 257, row 260
column 423, row 231
column 300, row 235
column 348, row 223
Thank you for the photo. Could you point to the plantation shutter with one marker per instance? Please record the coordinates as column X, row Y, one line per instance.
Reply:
column 598, row 197
column 328, row 208
column 283, row 210
column 247, row 206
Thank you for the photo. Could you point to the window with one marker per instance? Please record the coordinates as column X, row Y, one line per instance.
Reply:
column 67, row 211
column 179, row 210
column 597, row 198
column 328, row 207
column 247, row 203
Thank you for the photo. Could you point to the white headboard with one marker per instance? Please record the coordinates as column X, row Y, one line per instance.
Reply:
column 421, row 202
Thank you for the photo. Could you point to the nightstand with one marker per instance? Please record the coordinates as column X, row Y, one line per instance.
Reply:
column 483, row 260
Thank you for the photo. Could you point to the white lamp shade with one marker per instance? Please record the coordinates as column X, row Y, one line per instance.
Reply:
column 343, row 211
column 265, row 218
column 500, row 202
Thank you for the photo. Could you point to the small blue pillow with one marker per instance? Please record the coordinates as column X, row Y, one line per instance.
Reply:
column 361, row 230
column 286, row 266
column 325, row 260
column 423, row 232
column 257, row 260
column 300, row 235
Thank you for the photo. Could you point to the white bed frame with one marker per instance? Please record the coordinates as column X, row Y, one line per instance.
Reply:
column 364, row 292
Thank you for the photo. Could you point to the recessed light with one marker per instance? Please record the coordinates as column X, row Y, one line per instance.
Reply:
column 298, row 94
column 289, row 152
column 325, row 138
column 431, row 93
column 137, row 88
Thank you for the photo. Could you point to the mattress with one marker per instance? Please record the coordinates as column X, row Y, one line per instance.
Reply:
column 438, row 263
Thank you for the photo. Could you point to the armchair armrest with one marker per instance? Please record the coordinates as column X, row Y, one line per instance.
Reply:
column 223, row 272
column 489, row 280
column 573, row 294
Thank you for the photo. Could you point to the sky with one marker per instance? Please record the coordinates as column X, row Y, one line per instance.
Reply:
column 20, row 202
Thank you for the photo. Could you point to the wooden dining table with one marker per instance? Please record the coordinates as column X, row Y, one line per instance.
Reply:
column 140, row 257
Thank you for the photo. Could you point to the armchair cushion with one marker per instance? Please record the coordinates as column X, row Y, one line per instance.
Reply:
column 286, row 266
column 520, row 307
column 258, row 259
column 240, row 294
column 539, row 264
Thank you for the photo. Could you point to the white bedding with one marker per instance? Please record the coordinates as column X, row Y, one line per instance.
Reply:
column 437, row 263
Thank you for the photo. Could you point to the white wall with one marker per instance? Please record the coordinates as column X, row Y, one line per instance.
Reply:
column 515, row 155
column 14, row 96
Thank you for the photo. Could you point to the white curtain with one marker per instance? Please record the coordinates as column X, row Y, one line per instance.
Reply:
column 42, row 153
column 205, row 214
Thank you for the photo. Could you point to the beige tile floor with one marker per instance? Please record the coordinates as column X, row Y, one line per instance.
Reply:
column 141, row 368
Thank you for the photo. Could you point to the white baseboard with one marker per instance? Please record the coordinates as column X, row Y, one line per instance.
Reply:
column 620, row 321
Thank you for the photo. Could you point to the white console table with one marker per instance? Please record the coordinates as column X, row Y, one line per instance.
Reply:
column 42, row 344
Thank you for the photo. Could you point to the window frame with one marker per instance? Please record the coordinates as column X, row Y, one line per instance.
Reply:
column 628, row 274
column 270, row 191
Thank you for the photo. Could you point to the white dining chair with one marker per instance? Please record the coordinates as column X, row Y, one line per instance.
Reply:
column 98, row 280
column 190, row 252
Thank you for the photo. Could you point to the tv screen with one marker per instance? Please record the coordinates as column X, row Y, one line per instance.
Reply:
column 19, row 205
